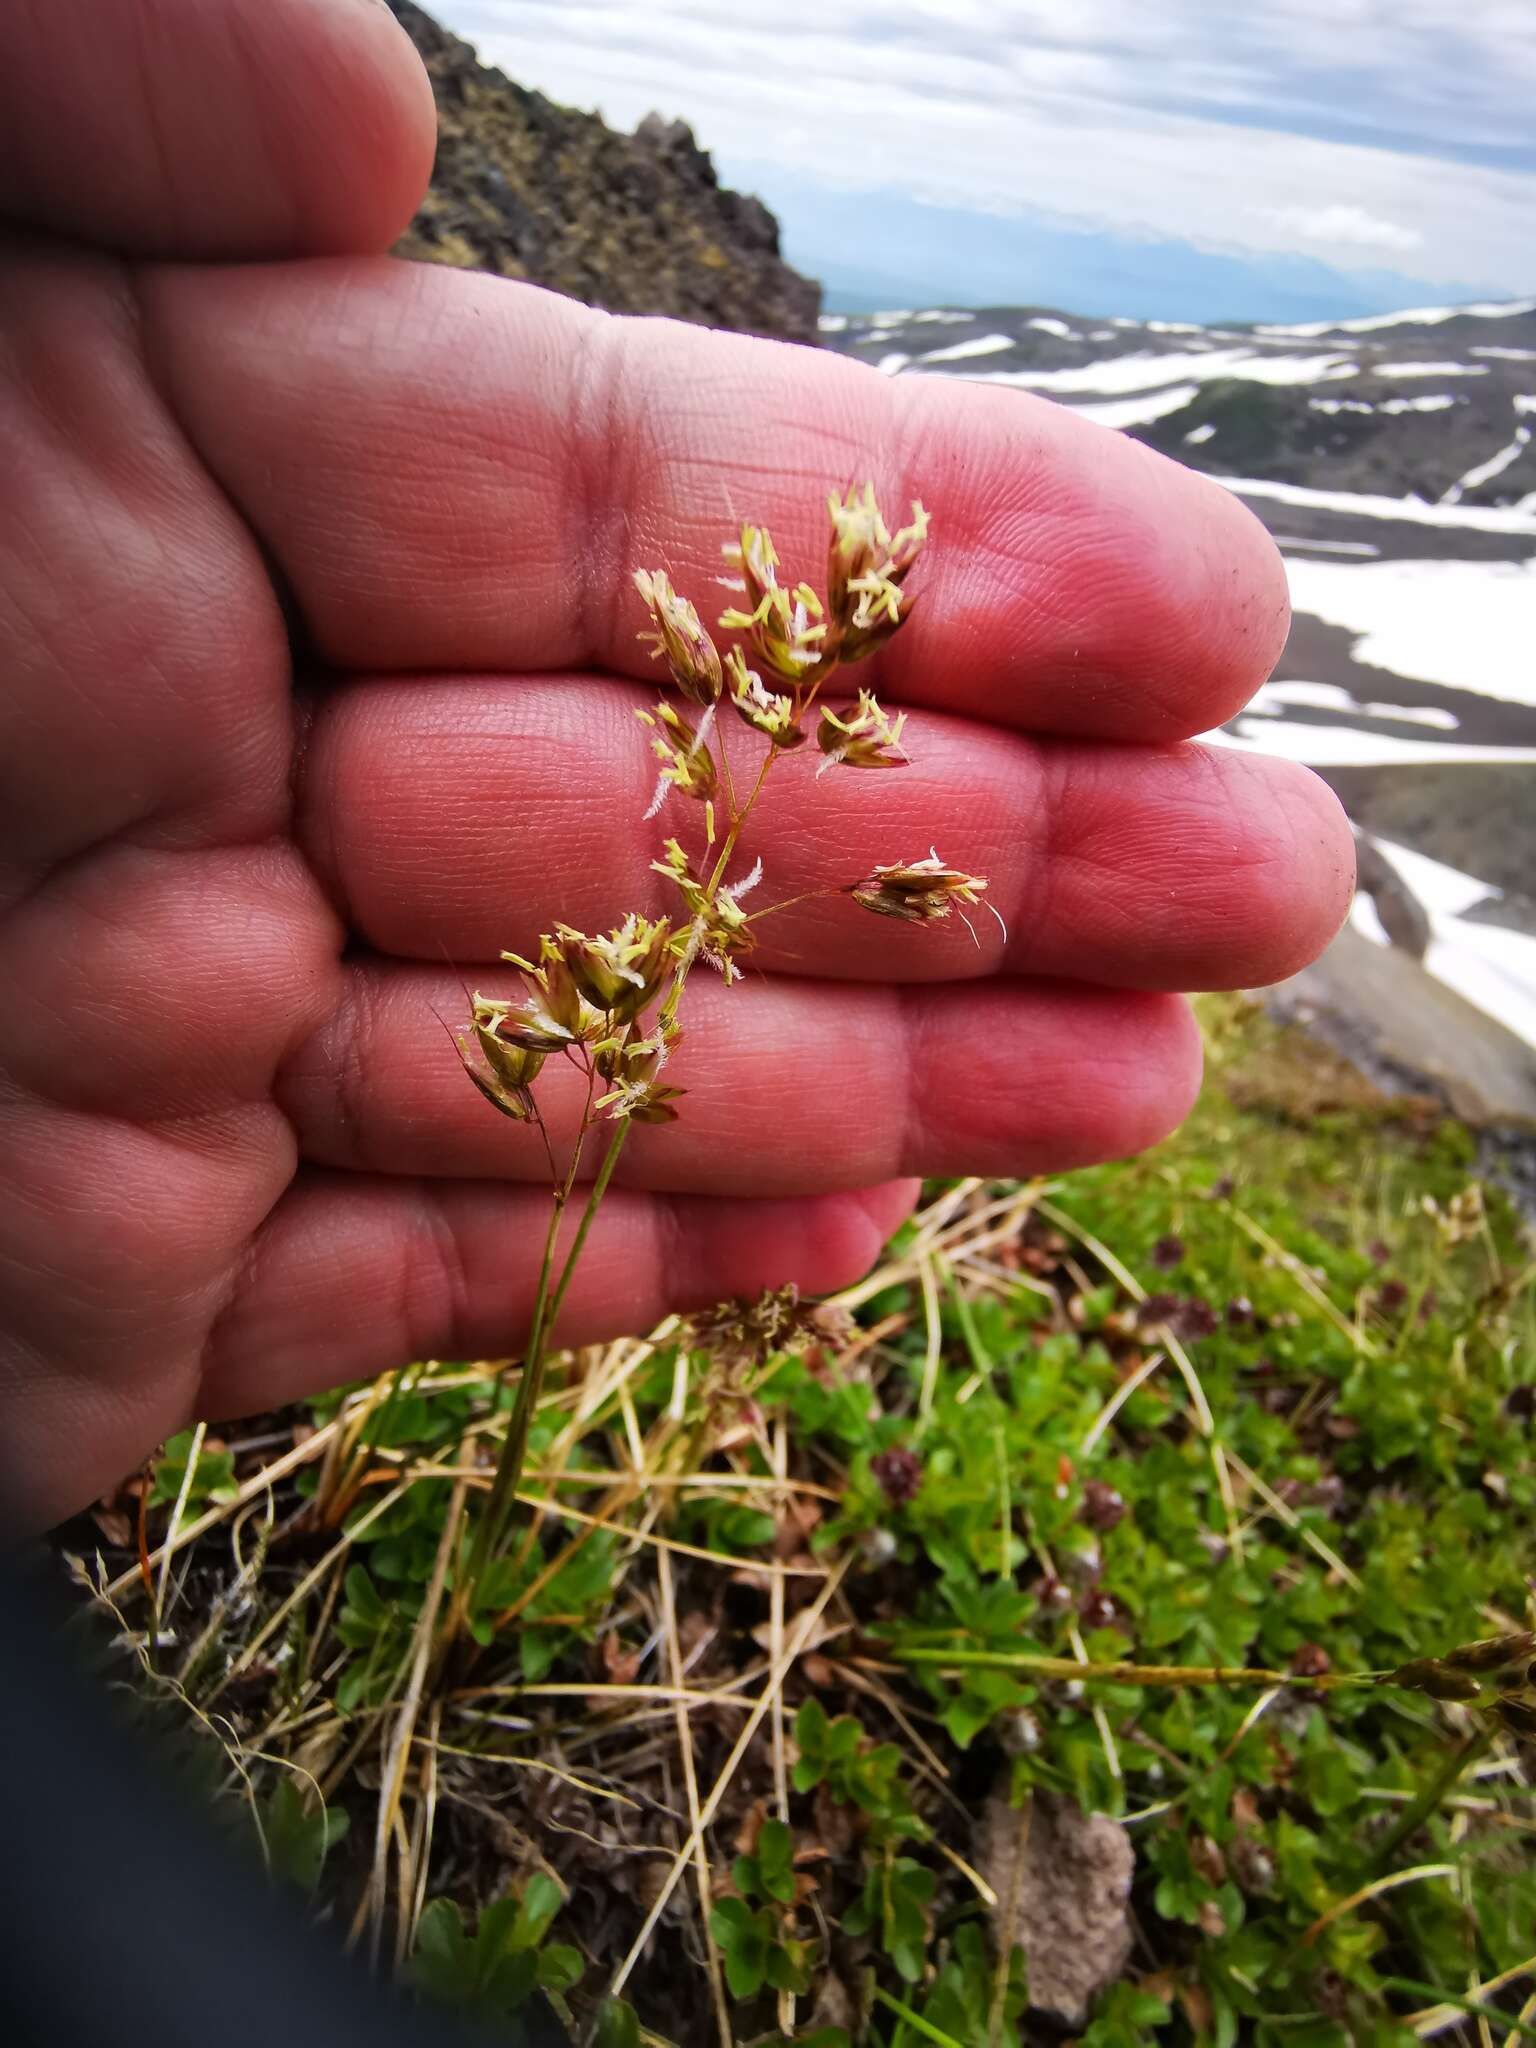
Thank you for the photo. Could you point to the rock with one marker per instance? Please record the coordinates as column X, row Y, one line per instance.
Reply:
column 1063, row 1883
column 1389, row 1018
column 634, row 223
column 1402, row 917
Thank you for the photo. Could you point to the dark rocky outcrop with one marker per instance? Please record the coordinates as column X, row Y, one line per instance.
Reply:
column 636, row 223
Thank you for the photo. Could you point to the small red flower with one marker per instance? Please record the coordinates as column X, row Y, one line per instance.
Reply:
column 898, row 1473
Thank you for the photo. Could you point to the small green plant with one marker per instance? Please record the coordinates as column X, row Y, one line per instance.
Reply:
column 896, row 1907
column 298, row 1834
column 211, row 1467
column 618, row 2025
column 971, row 1999
column 856, row 1771
column 755, row 1929
column 378, row 1630
column 495, row 1970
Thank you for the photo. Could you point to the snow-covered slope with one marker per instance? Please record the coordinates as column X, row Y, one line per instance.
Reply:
column 1436, row 403
column 1394, row 460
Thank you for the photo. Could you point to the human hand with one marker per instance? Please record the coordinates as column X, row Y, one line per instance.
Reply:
column 320, row 658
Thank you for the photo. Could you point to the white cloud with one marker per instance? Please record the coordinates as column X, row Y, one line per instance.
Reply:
column 1349, row 227
column 1237, row 128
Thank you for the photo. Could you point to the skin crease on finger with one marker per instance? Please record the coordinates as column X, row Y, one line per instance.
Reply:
column 792, row 1086
column 1163, row 868
column 1078, row 583
column 380, row 1245
column 436, row 473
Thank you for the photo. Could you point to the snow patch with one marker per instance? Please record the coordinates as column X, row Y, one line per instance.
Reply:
column 1431, row 369
column 1420, row 316
column 1347, row 746
column 1197, row 435
column 889, row 365
column 1463, row 624
column 1137, row 411
column 1326, row 547
column 1364, row 920
column 1492, row 966
column 960, row 351
column 1484, row 472
column 1271, row 697
column 1519, row 518
column 1431, row 401
column 1143, row 371
column 1044, row 324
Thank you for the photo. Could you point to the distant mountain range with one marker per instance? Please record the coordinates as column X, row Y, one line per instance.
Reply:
column 1393, row 458
column 1437, row 404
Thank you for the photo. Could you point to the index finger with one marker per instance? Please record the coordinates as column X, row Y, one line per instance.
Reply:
column 459, row 472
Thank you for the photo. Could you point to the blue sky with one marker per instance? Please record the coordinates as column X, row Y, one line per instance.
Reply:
column 1174, row 159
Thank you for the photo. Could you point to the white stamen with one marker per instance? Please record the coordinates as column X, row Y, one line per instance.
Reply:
column 659, row 798
column 748, row 882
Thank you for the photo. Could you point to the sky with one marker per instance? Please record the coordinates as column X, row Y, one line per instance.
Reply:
column 1173, row 159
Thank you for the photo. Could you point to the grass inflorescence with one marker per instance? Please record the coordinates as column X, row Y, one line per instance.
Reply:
column 610, row 1004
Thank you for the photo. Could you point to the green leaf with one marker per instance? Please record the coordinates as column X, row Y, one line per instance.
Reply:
column 440, row 1964
column 537, row 1650
column 496, row 1933
column 618, row 2025
column 560, row 1966
column 744, row 1938
column 541, row 1901
column 775, row 1856
column 811, row 1731
column 298, row 1841
column 896, row 1897
column 213, row 1476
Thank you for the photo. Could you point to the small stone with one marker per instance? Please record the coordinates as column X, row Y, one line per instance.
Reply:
column 1067, row 1877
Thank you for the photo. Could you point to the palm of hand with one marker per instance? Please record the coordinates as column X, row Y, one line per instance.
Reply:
column 320, row 666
